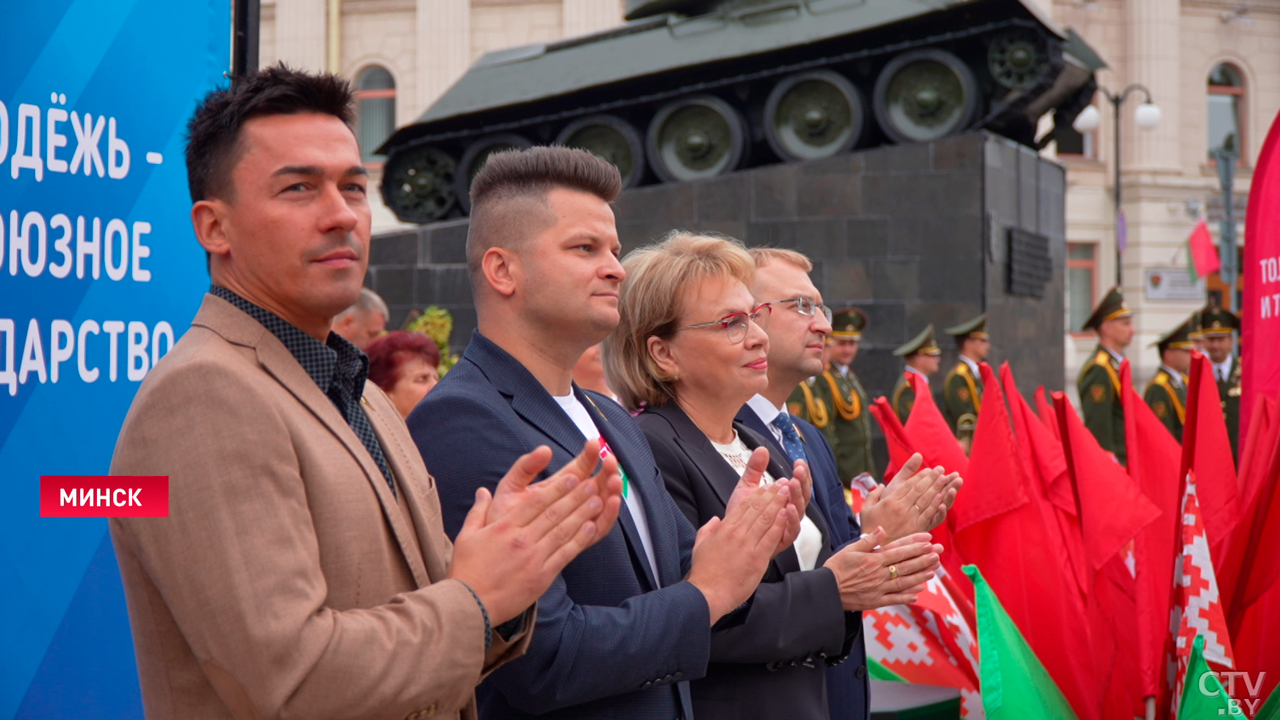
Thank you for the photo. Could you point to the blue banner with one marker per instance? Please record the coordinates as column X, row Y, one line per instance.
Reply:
column 100, row 273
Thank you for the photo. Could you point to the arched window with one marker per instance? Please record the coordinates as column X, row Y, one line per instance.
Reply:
column 375, row 110
column 1226, row 109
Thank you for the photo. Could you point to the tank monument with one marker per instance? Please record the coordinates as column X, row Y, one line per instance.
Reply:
column 895, row 142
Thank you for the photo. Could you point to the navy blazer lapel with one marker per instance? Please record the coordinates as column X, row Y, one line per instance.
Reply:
column 529, row 398
column 814, row 510
column 819, row 500
column 748, row 417
column 790, row 561
column 619, row 446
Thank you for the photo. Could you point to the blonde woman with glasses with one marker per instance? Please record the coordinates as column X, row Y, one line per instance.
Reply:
column 689, row 350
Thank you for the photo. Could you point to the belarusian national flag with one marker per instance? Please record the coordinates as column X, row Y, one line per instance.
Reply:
column 1202, row 256
column 1197, row 611
column 1202, row 693
column 929, row 643
column 1015, row 686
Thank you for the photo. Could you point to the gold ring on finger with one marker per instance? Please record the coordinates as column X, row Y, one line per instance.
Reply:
column 893, row 572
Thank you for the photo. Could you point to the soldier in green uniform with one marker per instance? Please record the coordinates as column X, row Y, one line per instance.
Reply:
column 1099, row 382
column 849, row 430
column 962, row 390
column 921, row 355
column 1166, row 394
column 1217, row 327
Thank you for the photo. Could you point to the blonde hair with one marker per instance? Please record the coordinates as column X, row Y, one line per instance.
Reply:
column 651, row 303
column 765, row 255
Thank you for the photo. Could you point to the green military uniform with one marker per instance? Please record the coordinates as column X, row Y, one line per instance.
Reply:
column 1166, row 394
column 849, row 430
column 1099, row 382
column 807, row 403
column 904, row 398
column 1219, row 322
column 962, row 390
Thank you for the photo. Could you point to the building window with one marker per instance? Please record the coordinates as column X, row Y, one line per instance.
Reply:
column 1226, row 106
column 1082, row 277
column 375, row 111
column 1071, row 142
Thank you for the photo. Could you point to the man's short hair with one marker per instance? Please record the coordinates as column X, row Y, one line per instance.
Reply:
column 765, row 255
column 213, row 135
column 509, row 194
column 651, row 303
column 369, row 301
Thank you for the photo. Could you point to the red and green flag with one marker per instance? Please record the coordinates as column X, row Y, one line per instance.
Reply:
column 1203, row 696
column 1202, row 255
column 1014, row 684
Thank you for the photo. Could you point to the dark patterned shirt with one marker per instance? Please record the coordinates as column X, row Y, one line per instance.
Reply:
column 337, row 366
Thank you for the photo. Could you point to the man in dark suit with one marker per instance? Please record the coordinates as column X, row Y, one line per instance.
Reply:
column 919, row 500
column 625, row 627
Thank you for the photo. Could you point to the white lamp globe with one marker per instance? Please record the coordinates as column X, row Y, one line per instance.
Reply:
column 1147, row 115
column 1087, row 121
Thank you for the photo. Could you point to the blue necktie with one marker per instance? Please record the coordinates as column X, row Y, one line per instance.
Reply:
column 791, row 441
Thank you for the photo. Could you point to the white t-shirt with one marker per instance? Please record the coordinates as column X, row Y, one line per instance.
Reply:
column 809, row 542
column 580, row 417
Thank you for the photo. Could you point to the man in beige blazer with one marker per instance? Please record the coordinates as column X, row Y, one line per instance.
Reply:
column 302, row 570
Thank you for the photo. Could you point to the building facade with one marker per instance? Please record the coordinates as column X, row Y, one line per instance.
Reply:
column 1213, row 69
column 403, row 54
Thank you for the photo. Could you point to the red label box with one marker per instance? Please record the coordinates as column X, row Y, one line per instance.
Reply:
column 104, row 496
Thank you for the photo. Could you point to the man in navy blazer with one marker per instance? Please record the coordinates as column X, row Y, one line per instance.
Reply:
column 797, row 332
column 627, row 624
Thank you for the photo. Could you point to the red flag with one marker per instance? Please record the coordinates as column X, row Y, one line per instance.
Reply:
column 1047, row 414
column 895, row 436
column 1206, row 449
column 929, row 433
column 1048, row 463
column 1203, row 254
column 1197, row 609
column 1256, row 448
column 1252, row 564
column 996, row 479
column 1260, row 309
column 1153, row 464
column 1006, row 525
column 1113, row 511
column 1257, row 652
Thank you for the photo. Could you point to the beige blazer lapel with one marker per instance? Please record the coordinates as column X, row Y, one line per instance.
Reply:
column 416, row 481
column 237, row 327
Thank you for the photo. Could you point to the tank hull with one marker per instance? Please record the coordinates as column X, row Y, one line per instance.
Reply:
column 989, row 64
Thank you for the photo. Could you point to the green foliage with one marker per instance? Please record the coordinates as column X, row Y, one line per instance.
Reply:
column 437, row 324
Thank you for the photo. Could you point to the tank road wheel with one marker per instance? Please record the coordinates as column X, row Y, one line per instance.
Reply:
column 1016, row 60
column 609, row 138
column 813, row 115
column 417, row 184
column 474, row 157
column 696, row 137
column 924, row 95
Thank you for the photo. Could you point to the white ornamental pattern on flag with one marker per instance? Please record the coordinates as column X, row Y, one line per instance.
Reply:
column 1197, row 609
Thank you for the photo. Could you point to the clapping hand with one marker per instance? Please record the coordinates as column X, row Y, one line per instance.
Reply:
column 917, row 500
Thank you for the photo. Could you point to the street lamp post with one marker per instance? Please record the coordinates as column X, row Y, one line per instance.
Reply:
column 1147, row 116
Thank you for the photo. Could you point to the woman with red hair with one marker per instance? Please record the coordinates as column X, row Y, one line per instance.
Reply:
column 404, row 364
